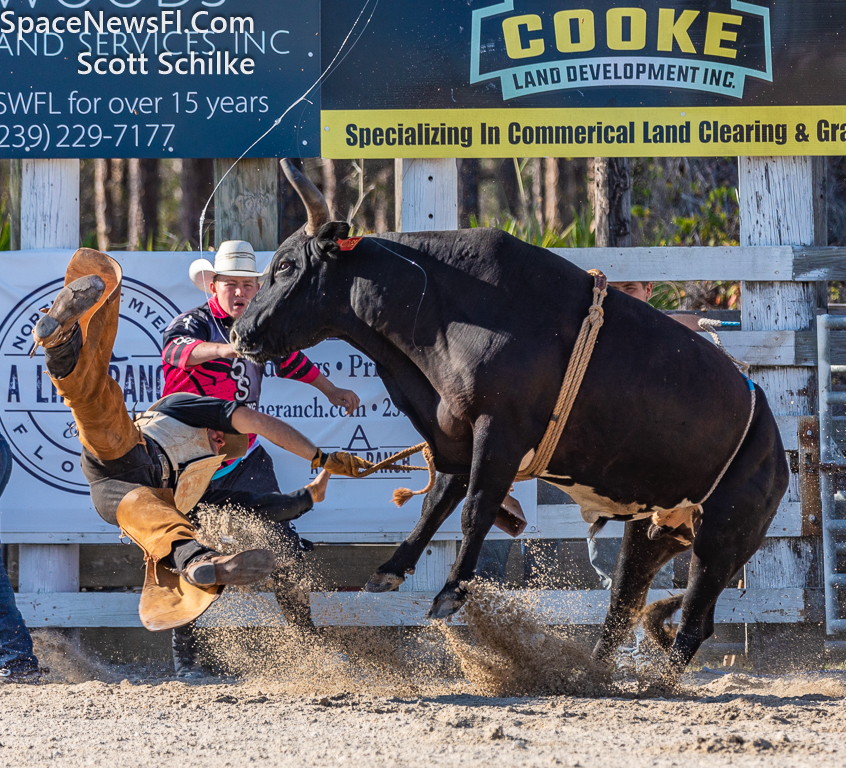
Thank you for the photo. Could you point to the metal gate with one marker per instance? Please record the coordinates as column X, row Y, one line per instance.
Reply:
column 832, row 462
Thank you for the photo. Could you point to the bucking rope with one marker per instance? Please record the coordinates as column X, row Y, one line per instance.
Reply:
column 402, row 495
column 708, row 325
column 576, row 368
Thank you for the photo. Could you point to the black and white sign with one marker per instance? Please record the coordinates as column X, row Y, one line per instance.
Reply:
column 47, row 497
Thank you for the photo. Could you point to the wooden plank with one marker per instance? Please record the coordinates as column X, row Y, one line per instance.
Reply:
column 79, row 609
column 779, row 200
column 819, row 263
column 245, row 202
column 427, row 194
column 49, row 568
column 49, row 219
column 432, row 568
column 349, row 609
column 49, row 204
column 694, row 263
column 764, row 348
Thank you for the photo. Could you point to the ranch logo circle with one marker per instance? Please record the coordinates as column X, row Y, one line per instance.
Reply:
column 37, row 425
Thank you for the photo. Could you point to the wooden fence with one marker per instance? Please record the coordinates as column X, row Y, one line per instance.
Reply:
column 782, row 201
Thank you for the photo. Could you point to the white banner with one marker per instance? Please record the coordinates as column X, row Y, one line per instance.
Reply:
column 47, row 497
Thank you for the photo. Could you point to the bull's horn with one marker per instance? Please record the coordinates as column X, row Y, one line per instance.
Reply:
column 315, row 203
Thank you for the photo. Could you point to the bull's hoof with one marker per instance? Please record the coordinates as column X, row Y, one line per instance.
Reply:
column 447, row 603
column 383, row 582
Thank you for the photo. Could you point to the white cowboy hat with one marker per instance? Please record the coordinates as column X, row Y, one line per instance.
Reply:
column 234, row 257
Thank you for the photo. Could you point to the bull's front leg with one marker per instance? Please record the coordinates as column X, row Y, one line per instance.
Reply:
column 495, row 464
column 437, row 507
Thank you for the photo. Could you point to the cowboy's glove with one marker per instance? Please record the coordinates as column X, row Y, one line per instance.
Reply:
column 339, row 463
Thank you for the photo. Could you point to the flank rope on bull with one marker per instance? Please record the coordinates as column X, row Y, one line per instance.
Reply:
column 572, row 380
column 708, row 325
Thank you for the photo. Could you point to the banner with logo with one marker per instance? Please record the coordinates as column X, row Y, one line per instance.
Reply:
column 498, row 78
column 47, row 497
column 158, row 78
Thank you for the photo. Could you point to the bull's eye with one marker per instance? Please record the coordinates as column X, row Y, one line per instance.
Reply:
column 284, row 268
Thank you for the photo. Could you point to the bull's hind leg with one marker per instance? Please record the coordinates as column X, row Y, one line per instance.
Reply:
column 639, row 561
column 734, row 522
column 439, row 504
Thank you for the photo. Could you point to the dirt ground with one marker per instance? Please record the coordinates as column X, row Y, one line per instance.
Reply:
column 506, row 691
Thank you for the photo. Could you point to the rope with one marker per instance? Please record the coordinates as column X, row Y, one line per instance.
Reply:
column 572, row 380
column 708, row 325
column 402, row 495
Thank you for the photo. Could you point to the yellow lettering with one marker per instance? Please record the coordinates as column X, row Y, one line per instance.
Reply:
column 669, row 29
column 511, row 30
column 614, row 22
column 564, row 28
column 715, row 34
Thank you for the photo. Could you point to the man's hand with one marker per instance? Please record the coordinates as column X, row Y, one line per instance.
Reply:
column 317, row 487
column 339, row 463
column 343, row 398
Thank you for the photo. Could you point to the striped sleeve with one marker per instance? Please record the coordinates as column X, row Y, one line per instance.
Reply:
column 298, row 367
column 177, row 351
column 182, row 335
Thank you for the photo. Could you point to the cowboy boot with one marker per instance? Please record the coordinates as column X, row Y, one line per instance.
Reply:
column 212, row 569
column 58, row 329
column 186, row 659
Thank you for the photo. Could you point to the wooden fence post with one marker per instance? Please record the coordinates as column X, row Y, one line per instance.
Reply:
column 49, row 219
column 427, row 200
column 782, row 202
column 245, row 203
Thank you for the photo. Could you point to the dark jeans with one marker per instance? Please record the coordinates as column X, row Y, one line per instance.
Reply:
column 15, row 640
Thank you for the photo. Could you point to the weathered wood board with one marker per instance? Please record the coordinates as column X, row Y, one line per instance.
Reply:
column 120, row 609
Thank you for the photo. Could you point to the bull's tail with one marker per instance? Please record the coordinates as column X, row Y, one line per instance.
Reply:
column 654, row 619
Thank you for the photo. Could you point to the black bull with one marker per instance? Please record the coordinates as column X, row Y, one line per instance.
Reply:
column 471, row 332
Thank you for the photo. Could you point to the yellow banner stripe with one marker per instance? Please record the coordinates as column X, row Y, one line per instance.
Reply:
column 641, row 132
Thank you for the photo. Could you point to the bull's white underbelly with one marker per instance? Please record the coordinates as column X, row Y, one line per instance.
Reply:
column 595, row 506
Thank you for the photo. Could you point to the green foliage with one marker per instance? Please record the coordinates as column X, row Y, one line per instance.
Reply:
column 713, row 224
column 5, row 229
column 578, row 234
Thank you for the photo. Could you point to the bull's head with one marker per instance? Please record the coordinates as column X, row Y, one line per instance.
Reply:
column 300, row 295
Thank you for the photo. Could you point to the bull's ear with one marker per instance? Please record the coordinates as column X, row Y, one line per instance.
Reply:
column 328, row 236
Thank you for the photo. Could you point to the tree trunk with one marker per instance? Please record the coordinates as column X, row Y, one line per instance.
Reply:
column 150, row 186
column 551, row 184
column 197, row 188
column 612, row 202
column 134, row 215
column 536, row 207
column 100, row 174
column 291, row 213
column 468, row 191
column 116, row 205
column 509, row 187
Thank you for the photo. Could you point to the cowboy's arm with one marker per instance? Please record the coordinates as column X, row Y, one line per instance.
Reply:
column 335, row 395
column 208, row 350
column 248, row 421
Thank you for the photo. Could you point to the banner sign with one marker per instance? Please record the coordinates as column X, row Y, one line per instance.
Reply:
column 157, row 78
column 594, row 78
column 47, row 497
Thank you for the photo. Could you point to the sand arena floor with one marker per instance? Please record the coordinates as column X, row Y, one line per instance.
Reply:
column 507, row 691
